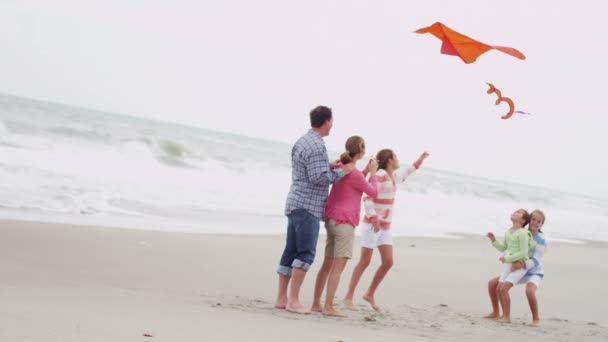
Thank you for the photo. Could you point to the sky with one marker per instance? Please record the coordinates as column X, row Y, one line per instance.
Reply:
column 258, row 67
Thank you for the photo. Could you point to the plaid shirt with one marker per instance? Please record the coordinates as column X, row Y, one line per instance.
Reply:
column 311, row 175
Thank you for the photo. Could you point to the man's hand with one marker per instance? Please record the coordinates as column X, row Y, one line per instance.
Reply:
column 335, row 164
column 376, row 226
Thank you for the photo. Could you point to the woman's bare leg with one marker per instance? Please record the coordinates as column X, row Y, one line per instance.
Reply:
column 332, row 285
column 320, row 283
column 364, row 260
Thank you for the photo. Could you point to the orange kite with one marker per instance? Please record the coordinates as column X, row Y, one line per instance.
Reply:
column 457, row 44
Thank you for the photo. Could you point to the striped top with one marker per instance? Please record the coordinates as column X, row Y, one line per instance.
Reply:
column 311, row 175
column 380, row 208
column 534, row 264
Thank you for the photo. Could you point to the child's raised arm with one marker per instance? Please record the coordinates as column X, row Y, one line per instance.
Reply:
column 501, row 246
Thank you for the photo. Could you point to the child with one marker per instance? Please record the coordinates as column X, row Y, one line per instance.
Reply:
column 516, row 245
column 341, row 217
column 533, row 266
column 375, row 232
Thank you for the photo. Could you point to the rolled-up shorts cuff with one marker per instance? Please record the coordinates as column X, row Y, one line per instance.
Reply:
column 284, row 270
column 300, row 264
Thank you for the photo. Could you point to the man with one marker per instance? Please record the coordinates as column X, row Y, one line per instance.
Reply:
column 311, row 174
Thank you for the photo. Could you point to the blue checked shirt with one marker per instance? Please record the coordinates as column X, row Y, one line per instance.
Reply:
column 311, row 175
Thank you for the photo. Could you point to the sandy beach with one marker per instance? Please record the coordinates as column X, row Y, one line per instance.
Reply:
column 62, row 282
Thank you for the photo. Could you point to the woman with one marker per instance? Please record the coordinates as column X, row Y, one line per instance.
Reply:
column 341, row 218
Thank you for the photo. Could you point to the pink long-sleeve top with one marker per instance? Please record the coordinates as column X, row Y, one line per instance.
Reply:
column 344, row 201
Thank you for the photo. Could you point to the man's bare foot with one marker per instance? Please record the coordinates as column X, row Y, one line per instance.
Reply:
column 349, row 305
column 281, row 303
column 333, row 312
column 372, row 302
column 297, row 308
column 493, row 315
column 316, row 308
column 534, row 324
column 503, row 320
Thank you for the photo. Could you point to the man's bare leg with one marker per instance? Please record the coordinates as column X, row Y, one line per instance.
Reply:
column 492, row 290
column 282, row 292
column 386, row 254
column 364, row 260
column 320, row 283
column 293, row 302
column 332, row 286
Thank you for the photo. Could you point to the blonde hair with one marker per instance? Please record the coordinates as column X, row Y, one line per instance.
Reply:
column 353, row 146
column 539, row 212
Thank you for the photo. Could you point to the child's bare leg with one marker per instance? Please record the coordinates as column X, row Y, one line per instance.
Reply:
column 493, row 291
column 505, row 302
column 320, row 283
column 531, row 295
column 386, row 253
column 282, row 292
column 364, row 260
column 332, row 285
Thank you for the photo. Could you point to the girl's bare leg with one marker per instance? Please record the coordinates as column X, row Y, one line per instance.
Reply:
column 505, row 302
column 493, row 291
column 386, row 254
column 531, row 294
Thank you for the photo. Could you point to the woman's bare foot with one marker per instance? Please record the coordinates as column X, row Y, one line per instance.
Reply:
column 534, row 324
column 333, row 312
column 297, row 308
column 372, row 302
column 503, row 320
column 349, row 305
column 493, row 315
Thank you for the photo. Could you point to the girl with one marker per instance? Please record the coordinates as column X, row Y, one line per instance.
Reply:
column 516, row 246
column 534, row 267
column 376, row 228
column 341, row 218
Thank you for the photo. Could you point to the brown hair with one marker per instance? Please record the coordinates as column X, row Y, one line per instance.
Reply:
column 319, row 115
column 526, row 217
column 383, row 156
column 353, row 145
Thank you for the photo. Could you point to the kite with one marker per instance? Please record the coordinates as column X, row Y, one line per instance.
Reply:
column 457, row 44
column 501, row 98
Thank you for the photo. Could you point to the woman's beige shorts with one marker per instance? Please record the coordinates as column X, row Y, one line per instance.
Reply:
column 340, row 239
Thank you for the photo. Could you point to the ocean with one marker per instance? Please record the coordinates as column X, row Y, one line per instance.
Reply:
column 60, row 163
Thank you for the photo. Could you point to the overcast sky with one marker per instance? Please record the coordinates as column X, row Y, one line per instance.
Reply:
column 258, row 67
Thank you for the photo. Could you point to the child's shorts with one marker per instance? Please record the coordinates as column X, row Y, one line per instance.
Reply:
column 512, row 277
column 533, row 278
column 371, row 239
